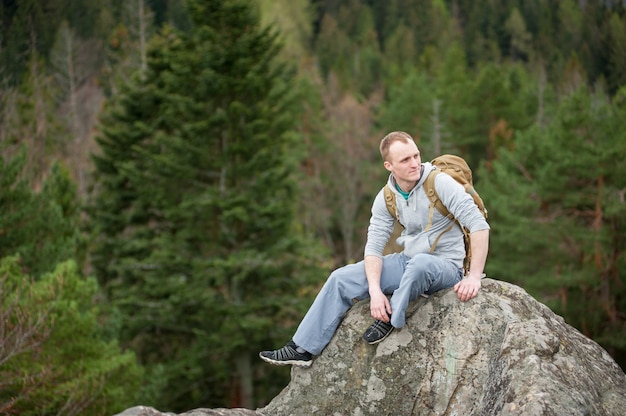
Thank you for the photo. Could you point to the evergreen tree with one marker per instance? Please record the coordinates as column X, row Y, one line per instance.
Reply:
column 408, row 105
column 127, row 46
column 28, row 118
column 348, row 48
column 294, row 18
column 31, row 25
column 616, row 43
column 40, row 227
column 504, row 100
column 194, row 206
column 570, row 24
column 55, row 357
column 449, row 109
column 558, row 212
column 520, row 38
column 451, row 112
column 333, row 49
column 400, row 53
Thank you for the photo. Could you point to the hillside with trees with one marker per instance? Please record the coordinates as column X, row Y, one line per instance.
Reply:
column 178, row 177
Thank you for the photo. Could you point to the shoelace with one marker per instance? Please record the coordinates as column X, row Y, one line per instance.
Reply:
column 285, row 352
column 381, row 327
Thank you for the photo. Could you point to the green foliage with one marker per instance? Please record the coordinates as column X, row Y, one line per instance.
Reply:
column 520, row 38
column 451, row 110
column 616, row 38
column 547, row 31
column 55, row 359
column 557, row 209
column 348, row 49
column 195, row 204
column 209, row 173
column 27, row 114
column 505, row 100
column 409, row 104
column 42, row 227
column 294, row 20
column 30, row 25
column 54, row 356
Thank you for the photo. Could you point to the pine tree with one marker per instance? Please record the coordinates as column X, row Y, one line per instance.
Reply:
column 295, row 20
column 127, row 48
column 616, row 41
column 194, row 205
column 504, row 100
column 557, row 216
column 28, row 118
column 40, row 227
column 55, row 356
column 520, row 37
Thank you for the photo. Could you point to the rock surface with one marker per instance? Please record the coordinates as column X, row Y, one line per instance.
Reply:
column 502, row 353
column 149, row 411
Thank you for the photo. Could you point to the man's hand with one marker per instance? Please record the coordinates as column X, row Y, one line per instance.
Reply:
column 379, row 306
column 467, row 288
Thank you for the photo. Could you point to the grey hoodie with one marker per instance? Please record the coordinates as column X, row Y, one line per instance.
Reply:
column 414, row 214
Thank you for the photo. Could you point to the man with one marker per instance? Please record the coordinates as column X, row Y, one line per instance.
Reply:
column 406, row 275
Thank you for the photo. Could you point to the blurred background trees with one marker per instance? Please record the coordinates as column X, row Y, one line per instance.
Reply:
column 193, row 218
column 183, row 174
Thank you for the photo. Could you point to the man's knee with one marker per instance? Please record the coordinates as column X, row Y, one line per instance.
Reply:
column 343, row 275
column 424, row 263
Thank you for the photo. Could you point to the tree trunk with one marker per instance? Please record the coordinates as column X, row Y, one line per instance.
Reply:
column 244, row 382
column 608, row 303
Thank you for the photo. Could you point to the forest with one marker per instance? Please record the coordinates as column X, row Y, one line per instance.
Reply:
column 179, row 177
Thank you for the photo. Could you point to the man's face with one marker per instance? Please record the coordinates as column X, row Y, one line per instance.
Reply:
column 404, row 162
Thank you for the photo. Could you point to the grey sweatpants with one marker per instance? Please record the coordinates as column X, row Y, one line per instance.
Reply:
column 402, row 277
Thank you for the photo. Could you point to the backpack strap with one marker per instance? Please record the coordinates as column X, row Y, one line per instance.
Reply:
column 434, row 245
column 390, row 201
column 435, row 202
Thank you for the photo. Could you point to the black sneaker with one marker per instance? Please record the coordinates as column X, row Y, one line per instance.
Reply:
column 287, row 355
column 377, row 332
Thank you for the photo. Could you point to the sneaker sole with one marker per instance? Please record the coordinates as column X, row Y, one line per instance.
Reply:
column 297, row 363
column 380, row 340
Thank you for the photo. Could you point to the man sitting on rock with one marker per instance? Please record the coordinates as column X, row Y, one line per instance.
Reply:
column 415, row 271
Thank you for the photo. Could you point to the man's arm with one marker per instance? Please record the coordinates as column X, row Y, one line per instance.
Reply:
column 379, row 304
column 468, row 288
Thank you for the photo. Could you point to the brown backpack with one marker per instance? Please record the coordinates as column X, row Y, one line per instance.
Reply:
column 458, row 169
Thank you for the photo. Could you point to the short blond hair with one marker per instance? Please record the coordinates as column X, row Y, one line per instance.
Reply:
column 389, row 139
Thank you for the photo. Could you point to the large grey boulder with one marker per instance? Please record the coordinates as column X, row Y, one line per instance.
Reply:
column 501, row 353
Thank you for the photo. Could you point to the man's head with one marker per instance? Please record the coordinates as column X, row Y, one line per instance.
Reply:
column 391, row 138
column 402, row 158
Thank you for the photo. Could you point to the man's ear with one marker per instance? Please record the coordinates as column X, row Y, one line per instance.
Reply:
column 387, row 165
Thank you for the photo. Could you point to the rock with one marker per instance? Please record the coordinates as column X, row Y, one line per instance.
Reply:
column 149, row 411
column 502, row 353
column 220, row 412
column 142, row 411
